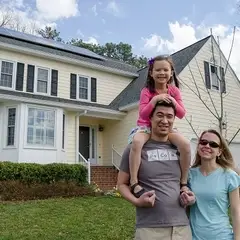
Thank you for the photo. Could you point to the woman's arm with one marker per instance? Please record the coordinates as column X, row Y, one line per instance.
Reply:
column 235, row 212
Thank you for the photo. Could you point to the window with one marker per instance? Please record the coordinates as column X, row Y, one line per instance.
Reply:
column 6, row 79
column 11, row 126
column 63, row 132
column 41, row 127
column 42, row 80
column 214, row 77
column 84, row 88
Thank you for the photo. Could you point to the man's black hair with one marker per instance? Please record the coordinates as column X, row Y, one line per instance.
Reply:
column 163, row 104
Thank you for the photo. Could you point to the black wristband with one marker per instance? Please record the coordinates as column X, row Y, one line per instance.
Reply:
column 183, row 185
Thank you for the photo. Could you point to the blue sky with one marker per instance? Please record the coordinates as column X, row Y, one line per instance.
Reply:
column 159, row 27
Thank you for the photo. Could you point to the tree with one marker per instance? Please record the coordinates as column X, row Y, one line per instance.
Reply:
column 215, row 107
column 50, row 33
column 9, row 19
column 119, row 51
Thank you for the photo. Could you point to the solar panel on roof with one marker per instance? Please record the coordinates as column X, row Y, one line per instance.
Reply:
column 49, row 42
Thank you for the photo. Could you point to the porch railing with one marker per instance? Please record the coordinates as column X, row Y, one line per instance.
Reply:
column 82, row 160
column 116, row 158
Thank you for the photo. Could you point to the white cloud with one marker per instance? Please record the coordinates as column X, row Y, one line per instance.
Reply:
column 24, row 17
column 103, row 21
column 56, row 9
column 94, row 9
column 186, row 34
column 80, row 33
column 113, row 8
column 92, row 40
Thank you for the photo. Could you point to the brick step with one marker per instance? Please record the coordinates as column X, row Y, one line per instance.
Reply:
column 104, row 176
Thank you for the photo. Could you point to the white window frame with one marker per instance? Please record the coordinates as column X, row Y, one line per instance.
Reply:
column 13, row 76
column 89, row 88
column 218, row 74
column 37, row 146
column 63, row 133
column 6, row 146
column 48, row 82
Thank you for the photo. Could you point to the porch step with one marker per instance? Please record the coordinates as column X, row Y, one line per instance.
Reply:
column 104, row 176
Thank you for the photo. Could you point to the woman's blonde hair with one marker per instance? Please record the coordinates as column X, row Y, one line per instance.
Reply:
column 225, row 160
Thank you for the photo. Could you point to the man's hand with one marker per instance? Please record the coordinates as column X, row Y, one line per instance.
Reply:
column 147, row 199
column 187, row 198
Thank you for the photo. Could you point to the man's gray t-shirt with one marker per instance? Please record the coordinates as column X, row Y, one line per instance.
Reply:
column 159, row 171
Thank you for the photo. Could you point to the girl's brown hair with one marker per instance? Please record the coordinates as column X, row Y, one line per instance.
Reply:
column 225, row 160
column 150, row 84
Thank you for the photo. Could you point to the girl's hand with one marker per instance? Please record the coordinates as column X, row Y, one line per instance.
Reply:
column 172, row 99
column 163, row 97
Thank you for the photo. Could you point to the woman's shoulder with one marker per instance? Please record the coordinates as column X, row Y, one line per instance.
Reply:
column 230, row 172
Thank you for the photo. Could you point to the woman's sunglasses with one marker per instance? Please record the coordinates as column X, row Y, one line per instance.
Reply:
column 211, row 143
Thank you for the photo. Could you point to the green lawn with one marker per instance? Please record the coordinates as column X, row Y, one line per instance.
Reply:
column 86, row 218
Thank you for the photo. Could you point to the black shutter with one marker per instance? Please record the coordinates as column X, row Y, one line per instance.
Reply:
column 20, row 76
column 30, row 78
column 93, row 89
column 73, row 86
column 223, row 81
column 207, row 75
column 54, row 83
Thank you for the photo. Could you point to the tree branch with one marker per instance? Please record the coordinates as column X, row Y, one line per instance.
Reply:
column 208, row 92
column 234, row 136
column 193, row 129
column 231, row 48
column 200, row 98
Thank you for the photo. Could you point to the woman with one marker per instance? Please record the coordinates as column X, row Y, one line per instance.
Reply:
column 216, row 186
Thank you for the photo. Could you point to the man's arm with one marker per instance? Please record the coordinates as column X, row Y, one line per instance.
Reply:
column 123, row 187
column 147, row 199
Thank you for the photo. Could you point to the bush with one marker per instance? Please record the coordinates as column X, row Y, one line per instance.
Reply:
column 18, row 191
column 32, row 173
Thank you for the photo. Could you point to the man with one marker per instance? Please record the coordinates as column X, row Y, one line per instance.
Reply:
column 159, row 214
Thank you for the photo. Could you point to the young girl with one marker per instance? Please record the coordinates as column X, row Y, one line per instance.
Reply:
column 158, row 87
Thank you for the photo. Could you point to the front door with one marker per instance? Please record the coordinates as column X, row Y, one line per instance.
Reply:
column 84, row 140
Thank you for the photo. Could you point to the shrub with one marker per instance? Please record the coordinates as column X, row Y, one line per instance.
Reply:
column 32, row 173
column 18, row 191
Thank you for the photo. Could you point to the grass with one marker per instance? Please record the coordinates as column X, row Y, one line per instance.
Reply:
column 85, row 218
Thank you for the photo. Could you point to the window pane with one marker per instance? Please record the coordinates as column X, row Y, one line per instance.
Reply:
column 83, row 82
column 7, row 68
column 93, row 143
column 41, row 127
column 30, row 135
column 6, row 74
column 42, row 80
column 83, row 93
column 11, row 126
column 42, row 86
column 83, row 88
column 10, row 136
column 214, row 78
column 42, row 74
column 63, row 132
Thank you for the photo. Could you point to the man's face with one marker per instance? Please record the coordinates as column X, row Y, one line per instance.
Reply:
column 162, row 120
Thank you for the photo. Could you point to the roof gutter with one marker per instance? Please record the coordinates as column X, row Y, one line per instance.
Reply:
column 66, row 59
column 129, row 107
column 87, row 110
